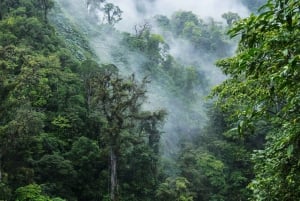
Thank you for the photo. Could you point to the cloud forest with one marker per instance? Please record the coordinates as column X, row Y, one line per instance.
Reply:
column 149, row 100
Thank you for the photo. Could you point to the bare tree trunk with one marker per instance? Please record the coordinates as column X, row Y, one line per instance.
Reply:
column 113, row 175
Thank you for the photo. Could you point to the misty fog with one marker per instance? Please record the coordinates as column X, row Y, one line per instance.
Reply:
column 136, row 11
column 106, row 43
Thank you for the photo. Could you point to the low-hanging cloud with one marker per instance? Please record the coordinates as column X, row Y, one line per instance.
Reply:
column 135, row 11
column 106, row 46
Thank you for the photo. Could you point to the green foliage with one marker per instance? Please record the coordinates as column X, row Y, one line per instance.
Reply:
column 205, row 169
column 5, row 190
column 75, row 42
column 37, row 87
column 111, row 12
column 206, row 37
column 87, row 160
column 56, row 166
column 264, row 82
column 181, row 20
column 231, row 17
column 33, row 192
column 28, row 31
column 204, row 172
column 117, row 102
column 28, row 8
column 174, row 189
column 64, row 117
column 162, row 67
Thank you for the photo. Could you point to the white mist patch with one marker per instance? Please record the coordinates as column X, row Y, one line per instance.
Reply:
column 136, row 11
column 183, row 119
column 179, row 124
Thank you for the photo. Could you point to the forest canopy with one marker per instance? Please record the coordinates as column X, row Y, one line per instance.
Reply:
column 89, row 112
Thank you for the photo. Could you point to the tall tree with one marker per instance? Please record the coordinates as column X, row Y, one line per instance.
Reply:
column 112, row 13
column 118, row 101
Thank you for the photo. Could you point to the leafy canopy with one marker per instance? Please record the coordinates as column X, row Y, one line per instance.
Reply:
column 263, row 86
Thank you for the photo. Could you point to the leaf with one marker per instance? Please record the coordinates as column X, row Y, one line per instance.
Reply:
column 290, row 150
column 285, row 52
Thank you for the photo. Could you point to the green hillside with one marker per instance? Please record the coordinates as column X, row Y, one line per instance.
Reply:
column 92, row 113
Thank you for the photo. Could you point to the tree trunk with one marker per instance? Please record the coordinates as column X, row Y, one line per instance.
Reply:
column 113, row 175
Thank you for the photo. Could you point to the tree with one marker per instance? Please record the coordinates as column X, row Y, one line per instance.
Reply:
column 204, row 172
column 231, row 17
column 206, row 38
column 87, row 159
column 180, row 18
column 34, row 81
column 112, row 13
column 263, row 88
column 142, row 29
column 39, row 8
column 18, row 131
column 119, row 102
column 7, row 6
column 33, row 192
column 174, row 189
column 46, row 5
